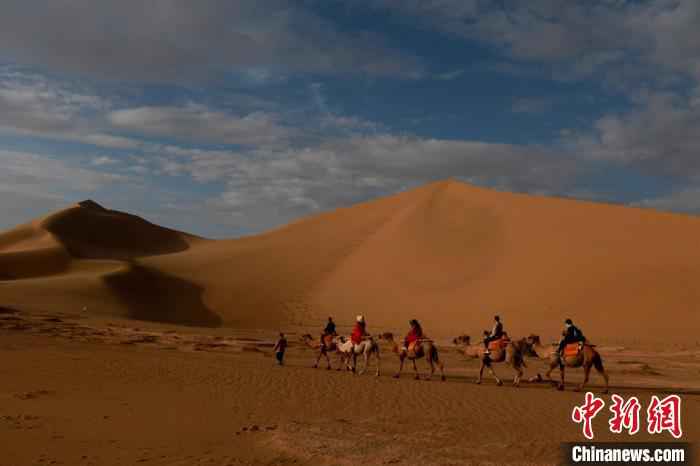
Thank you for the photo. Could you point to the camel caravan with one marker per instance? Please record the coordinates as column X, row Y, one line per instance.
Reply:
column 572, row 351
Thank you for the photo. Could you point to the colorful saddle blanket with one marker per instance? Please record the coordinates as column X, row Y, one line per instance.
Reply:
column 499, row 344
column 572, row 349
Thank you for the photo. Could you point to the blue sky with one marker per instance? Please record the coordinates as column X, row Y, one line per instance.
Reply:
column 228, row 118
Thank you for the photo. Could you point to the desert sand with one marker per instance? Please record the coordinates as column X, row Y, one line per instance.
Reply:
column 124, row 342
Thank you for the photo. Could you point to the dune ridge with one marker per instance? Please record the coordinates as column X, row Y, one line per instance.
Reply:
column 447, row 253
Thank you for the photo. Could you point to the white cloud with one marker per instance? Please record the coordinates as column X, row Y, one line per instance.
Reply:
column 103, row 160
column 268, row 187
column 33, row 105
column 37, row 105
column 660, row 135
column 196, row 122
column 583, row 35
column 40, row 176
column 682, row 200
column 107, row 140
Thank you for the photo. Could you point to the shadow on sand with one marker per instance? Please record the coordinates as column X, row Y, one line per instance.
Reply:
column 155, row 296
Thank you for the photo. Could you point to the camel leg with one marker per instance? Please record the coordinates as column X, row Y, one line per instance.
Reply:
column 366, row 358
column 402, row 357
column 318, row 358
column 342, row 361
column 518, row 376
column 376, row 355
column 481, row 372
column 431, row 365
column 548, row 374
column 345, row 360
column 561, row 375
column 415, row 369
column 493, row 373
column 598, row 363
column 586, row 373
column 328, row 361
column 439, row 363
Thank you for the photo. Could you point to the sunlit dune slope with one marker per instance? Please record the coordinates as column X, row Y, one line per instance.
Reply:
column 447, row 253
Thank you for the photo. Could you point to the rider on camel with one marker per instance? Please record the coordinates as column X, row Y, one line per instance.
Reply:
column 570, row 334
column 496, row 333
column 329, row 330
column 415, row 334
column 359, row 331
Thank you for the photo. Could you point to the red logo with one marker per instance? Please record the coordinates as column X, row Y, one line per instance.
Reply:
column 586, row 412
column 625, row 415
column 665, row 415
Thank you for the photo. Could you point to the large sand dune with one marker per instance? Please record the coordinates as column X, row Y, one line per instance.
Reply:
column 448, row 253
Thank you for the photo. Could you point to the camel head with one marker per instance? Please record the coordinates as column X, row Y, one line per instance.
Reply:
column 461, row 340
column 306, row 337
column 533, row 339
column 526, row 346
column 389, row 338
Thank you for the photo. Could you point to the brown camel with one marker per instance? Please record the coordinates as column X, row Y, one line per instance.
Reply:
column 587, row 357
column 331, row 346
column 511, row 352
column 425, row 348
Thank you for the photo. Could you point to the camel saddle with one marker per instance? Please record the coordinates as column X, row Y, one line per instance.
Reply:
column 328, row 341
column 414, row 348
column 572, row 349
column 499, row 344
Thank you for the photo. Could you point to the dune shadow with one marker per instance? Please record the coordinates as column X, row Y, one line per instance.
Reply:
column 154, row 296
column 93, row 232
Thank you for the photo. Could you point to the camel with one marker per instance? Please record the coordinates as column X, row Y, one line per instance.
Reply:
column 588, row 357
column 367, row 347
column 424, row 348
column 512, row 354
column 331, row 346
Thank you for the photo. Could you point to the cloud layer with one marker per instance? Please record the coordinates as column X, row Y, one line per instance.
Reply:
column 175, row 40
column 242, row 117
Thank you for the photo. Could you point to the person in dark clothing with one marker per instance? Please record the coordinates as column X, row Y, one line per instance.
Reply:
column 571, row 334
column 329, row 330
column 280, row 348
column 496, row 333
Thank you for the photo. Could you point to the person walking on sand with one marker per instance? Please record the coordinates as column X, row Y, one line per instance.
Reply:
column 280, row 348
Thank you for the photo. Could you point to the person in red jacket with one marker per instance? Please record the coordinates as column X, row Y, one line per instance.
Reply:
column 414, row 334
column 358, row 331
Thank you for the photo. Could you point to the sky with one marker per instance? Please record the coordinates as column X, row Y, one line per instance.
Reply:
column 227, row 118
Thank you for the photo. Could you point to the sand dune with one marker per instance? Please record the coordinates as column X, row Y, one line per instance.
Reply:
column 447, row 253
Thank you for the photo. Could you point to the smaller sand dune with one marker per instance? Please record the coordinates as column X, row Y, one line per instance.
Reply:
column 85, row 257
column 88, row 230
